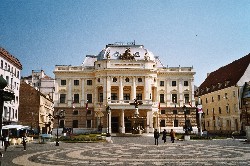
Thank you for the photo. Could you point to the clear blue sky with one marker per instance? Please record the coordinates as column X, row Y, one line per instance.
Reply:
column 202, row 34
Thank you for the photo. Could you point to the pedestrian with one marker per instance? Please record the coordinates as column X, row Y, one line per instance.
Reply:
column 6, row 142
column 172, row 135
column 24, row 141
column 156, row 136
column 164, row 135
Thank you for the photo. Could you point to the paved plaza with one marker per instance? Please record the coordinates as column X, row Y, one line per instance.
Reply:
column 131, row 151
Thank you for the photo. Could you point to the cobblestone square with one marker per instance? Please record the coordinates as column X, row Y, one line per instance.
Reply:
column 131, row 151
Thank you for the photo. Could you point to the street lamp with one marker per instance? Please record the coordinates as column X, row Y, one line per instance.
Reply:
column 59, row 115
column 108, row 109
column 185, row 113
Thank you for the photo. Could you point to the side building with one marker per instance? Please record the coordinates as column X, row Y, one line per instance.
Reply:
column 221, row 97
column 42, row 82
column 35, row 109
column 103, row 90
column 10, row 69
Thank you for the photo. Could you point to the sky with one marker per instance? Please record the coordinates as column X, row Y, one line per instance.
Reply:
column 204, row 34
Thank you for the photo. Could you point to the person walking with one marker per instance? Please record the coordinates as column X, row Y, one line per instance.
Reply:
column 172, row 135
column 24, row 141
column 156, row 136
column 164, row 135
column 6, row 142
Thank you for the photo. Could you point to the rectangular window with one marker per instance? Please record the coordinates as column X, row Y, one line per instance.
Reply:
column 89, row 82
column 101, row 97
column 161, row 83
column 163, row 112
column 212, row 99
column 139, row 96
column 218, row 97
column 88, row 123
column 185, row 83
column 1, row 63
column 161, row 98
column 175, row 112
column 113, row 96
column 186, row 98
column 163, row 123
column 89, row 112
column 76, row 82
column 234, row 93
column 61, row 123
column 139, row 79
column 76, row 98
column 227, row 109
column 126, row 96
column 176, row 123
column 75, row 123
column 75, row 112
column 89, row 98
column 173, row 83
column 63, row 82
column 174, row 98
column 225, row 95
column 187, row 112
column 62, row 98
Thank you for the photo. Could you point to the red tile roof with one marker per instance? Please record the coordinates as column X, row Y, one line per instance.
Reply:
column 224, row 77
column 6, row 55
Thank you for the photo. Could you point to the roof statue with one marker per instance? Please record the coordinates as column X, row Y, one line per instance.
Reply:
column 127, row 55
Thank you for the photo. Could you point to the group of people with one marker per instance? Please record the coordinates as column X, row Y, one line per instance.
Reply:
column 6, row 142
column 164, row 136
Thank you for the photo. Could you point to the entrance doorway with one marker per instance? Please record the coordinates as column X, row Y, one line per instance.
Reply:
column 128, row 125
column 115, row 124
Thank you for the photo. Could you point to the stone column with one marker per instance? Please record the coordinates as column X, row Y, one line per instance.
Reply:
column 83, row 101
column 146, row 96
column 105, row 90
column 110, row 114
column 108, row 88
column 133, row 95
column 120, row 91
column 122, row 124
column 69, row 93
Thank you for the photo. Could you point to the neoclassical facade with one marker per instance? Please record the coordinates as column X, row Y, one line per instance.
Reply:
column 114, row 78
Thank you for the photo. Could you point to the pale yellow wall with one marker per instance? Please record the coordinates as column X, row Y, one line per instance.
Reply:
column 225, row 121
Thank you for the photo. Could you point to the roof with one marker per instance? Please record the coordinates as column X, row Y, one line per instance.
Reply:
column 6, row 55
column 125, row 52
column 225, row 76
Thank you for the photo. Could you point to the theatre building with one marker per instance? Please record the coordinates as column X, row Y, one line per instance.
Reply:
column 103, row 91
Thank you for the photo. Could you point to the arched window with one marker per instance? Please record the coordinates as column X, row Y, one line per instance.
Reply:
column 127, row 79
column 114, row 79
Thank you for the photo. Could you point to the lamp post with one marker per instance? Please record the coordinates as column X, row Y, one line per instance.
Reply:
column 185, row 113
column 200, row 112
column 58, row 116
column 108, row 109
